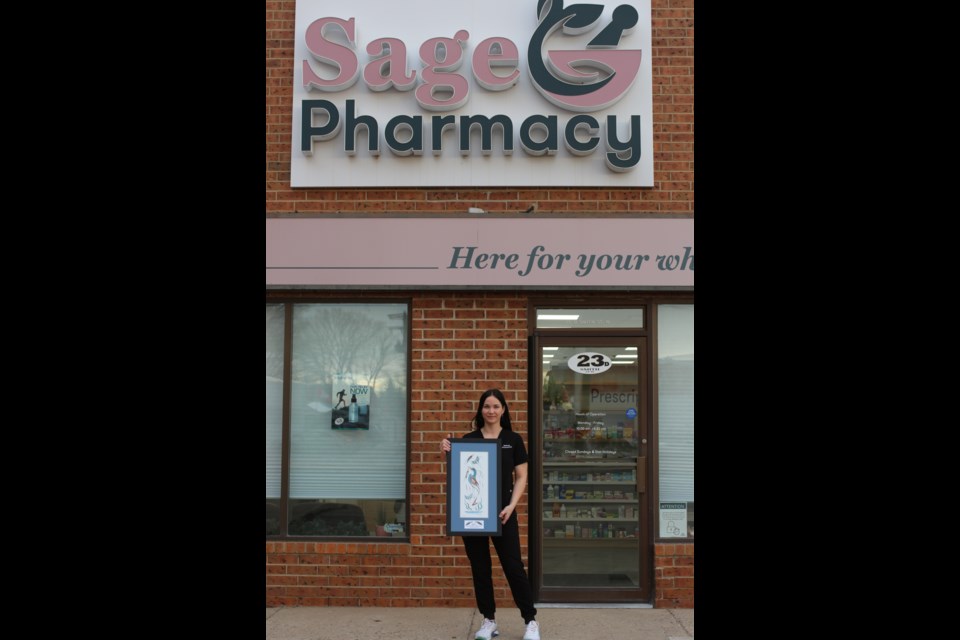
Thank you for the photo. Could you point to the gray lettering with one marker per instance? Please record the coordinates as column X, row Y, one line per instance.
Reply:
column 667, row 263
column 622, row 263
column 411, row 124
column 353, row 122
column 486, row 133
column 547, row 124
column 687, row 255
column 308, row 132
column 441, row 124
column 585, row 266
column 532, row 255
column 631, row 147
column 466, row 259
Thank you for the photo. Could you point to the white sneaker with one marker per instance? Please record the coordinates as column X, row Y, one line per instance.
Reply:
column 487, row 630
column 532, row 632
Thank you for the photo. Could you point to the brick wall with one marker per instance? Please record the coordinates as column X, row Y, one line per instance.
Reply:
column 673, row 575
column 462, row 344
column 672, row 193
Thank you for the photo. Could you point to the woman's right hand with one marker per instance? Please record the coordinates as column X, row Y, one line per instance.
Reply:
column 445, row 443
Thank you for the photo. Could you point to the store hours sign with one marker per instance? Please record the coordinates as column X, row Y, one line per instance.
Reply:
column 492, row 93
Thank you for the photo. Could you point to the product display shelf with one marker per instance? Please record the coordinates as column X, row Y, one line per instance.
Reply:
column 600, row 473
column 627, row 519
column 590, row 502
column 629, row 541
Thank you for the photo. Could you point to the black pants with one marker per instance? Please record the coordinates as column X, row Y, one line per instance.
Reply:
column 508, row 549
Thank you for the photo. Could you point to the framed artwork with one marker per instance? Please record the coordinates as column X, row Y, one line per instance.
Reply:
column 473, row 487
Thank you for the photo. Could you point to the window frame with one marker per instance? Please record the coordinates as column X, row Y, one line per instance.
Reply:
column 289, row 300
column 655, row 375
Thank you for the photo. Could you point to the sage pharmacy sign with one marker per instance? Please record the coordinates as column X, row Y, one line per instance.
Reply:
column 493, row 93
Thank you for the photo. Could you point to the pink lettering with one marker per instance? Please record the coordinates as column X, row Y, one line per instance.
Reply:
column 495, row 52
column 389, row 66
column 331, row 53
column 332, row 43
column 442, row 90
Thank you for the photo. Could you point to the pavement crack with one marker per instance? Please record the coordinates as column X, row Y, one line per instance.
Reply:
column 680, row 622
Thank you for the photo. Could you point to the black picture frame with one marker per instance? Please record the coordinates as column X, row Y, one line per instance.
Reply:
column 473, row 487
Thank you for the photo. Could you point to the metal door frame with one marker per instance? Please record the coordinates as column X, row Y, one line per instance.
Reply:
column 573, row 337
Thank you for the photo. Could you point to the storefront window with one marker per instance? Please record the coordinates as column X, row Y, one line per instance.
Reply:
column 675, row 374
column 348, row 420
column 275, row 319
column 593, row 318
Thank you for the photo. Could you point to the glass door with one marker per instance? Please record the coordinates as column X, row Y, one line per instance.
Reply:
column 592, row 447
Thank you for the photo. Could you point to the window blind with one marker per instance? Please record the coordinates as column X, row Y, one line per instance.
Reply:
column 675, row 376
column 275, row 319
column 326, row 463
column 676, row 429
column 336, row 346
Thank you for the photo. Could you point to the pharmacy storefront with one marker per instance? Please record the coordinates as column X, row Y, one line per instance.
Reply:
column 383, row 328
column 373, row 359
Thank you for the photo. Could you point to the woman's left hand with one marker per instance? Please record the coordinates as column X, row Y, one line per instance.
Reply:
column 506, row 513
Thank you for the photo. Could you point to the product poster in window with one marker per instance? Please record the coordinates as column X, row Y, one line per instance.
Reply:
column 351, row 405
column 473, row 488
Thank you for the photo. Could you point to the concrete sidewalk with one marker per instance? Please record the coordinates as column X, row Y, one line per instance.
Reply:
column 411, row 623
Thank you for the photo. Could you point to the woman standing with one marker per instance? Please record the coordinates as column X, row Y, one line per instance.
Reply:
column 492, row 422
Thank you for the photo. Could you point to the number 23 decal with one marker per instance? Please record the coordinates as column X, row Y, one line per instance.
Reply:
column 589, row 362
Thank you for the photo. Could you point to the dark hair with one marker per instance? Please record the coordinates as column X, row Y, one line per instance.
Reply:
column 504, row 419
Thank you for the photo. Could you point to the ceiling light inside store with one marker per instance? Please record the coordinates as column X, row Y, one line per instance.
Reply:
column 559, row 317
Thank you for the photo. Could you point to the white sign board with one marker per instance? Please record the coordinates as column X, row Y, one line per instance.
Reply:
column 490, row 93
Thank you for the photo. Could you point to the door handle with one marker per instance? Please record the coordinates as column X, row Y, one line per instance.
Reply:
column 641, row 475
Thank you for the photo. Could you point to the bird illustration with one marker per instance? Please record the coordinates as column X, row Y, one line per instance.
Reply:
column 474, row 496
column 472, row 478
